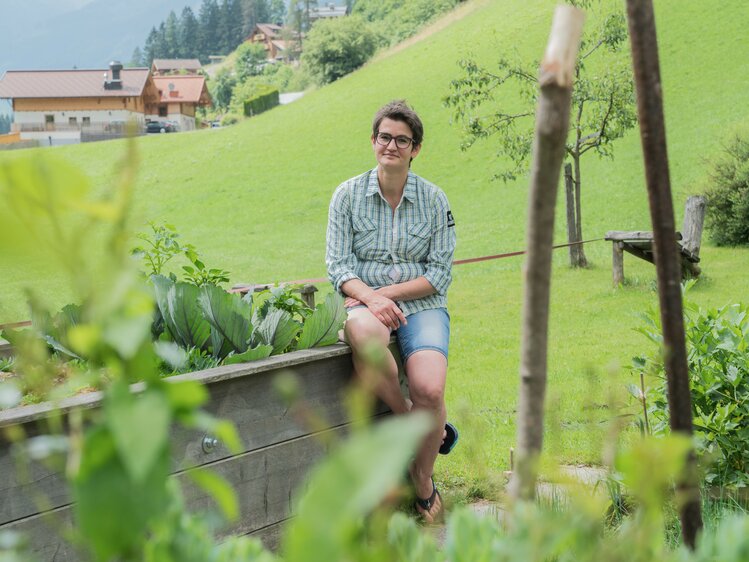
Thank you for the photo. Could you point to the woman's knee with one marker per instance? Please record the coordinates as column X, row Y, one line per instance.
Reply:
column 364, row 329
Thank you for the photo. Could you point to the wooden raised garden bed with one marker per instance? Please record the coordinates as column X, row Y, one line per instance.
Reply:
column 278, row 449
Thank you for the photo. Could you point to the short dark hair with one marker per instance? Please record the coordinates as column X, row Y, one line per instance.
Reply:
column 398, row 110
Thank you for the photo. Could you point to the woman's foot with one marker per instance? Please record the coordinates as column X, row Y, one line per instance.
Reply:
column 430, row 508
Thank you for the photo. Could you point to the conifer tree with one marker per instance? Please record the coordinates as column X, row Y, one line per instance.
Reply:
column 188, row 34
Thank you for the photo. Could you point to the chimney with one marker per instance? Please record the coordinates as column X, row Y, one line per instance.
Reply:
column 116, row 82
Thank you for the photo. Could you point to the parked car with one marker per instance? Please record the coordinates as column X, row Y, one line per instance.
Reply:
column 161, row 127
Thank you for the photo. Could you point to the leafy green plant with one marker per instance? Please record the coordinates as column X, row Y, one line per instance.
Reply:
column 728, row 194
column 718, row 356
column 159, row 247
column 284, row 297
column 198, row 274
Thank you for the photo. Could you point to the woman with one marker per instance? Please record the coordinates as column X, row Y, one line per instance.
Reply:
column 390, row 245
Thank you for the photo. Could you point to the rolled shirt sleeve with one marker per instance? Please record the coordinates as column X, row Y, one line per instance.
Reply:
column 339, row 256
column 442, row 246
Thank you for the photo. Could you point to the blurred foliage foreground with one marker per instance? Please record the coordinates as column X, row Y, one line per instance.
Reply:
column 116, row 459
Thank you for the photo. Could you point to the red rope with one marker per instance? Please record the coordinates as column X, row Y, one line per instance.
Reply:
column 325, row 279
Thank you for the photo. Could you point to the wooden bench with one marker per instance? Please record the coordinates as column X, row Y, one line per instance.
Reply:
column 640, row 243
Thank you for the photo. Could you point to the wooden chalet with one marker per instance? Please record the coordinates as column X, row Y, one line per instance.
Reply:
column 70, row 106
column 278, row 45
column 179, row 97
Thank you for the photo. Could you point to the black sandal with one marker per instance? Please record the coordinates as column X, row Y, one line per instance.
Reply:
column 426, row 504
column 451, row 439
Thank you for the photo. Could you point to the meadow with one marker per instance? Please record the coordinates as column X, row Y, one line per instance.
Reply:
column 253, row 198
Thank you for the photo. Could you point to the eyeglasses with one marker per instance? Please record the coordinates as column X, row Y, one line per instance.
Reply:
column 401, row 141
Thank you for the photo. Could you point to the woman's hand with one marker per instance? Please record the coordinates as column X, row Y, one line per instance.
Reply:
column 385, row 310
column 350, row 302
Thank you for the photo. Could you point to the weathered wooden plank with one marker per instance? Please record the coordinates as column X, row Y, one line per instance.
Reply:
column 25, row 414
column 264, row 480
column 624, row 235
column 271, row 535
column 617, row 263
column 250, row 403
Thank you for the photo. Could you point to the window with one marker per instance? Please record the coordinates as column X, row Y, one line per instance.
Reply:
column 86, row 121
column 162, row 111
column 73, row 121
column 49, row 119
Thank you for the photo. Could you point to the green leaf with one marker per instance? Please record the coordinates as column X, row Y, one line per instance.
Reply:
column 112, row 510
column 219, row 489
column 139, row 426
column 322, row 326
column 171, row 353
column 229, row 317
column 253, row 354
column 178, row 304
column 277, row 329
column 186, row 395
column 348, row 484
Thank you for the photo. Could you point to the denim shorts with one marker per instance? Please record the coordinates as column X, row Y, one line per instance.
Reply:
column 427, row 329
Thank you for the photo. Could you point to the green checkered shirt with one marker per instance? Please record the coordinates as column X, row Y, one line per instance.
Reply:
column 367, row 241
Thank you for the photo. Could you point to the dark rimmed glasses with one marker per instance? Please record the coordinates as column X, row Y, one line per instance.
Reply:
column 401, row 141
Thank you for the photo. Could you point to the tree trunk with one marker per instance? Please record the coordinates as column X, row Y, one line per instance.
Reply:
column 574, row 236
column 580, row 260
column 667, row 260
column 552, row 123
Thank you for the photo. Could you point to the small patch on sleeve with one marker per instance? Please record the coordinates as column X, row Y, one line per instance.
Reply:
column 450, row 219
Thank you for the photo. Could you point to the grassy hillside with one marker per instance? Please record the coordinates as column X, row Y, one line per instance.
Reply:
column 253, row 198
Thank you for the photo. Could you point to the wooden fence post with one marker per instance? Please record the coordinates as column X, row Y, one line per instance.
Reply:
column 667, row 260
column 552, row 124
column 617, row 263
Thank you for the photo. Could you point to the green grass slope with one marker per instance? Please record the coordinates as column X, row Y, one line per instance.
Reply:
column 253, row 198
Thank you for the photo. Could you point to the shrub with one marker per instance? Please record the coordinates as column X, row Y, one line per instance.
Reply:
column 265, row 98
column 336, row 47
column 718, row 357
column 728, row 195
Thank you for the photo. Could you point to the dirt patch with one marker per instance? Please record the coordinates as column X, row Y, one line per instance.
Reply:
column 438, row 25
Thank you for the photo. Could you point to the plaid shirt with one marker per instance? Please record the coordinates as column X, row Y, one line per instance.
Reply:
column 366, row 240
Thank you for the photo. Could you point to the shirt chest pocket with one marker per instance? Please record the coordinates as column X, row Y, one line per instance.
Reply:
column 419, row 235
column 365, row 237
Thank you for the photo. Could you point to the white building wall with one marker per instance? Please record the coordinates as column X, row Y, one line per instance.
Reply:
column 98, row 118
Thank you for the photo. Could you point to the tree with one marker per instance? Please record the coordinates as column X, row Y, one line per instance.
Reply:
column 250, row 60
column 188, row 37
column 254, row 12
column 209, row 18
column 149, row 50
column 277, row 11
column 5, row 122
column 230, row 26
column 500, row 104
column 171, row 36
column 221, row 88
column 333, row 48
column 137, row 58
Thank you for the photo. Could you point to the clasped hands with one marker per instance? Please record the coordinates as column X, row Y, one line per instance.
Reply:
column 382, row 307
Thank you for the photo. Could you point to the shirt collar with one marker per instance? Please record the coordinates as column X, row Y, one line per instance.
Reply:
column 409, row 191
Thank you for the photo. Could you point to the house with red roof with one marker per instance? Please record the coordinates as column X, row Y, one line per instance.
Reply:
column 71, row 106
column 179, row 97
column 280, row 43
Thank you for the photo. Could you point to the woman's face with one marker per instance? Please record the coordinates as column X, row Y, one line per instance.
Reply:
column 390, row 157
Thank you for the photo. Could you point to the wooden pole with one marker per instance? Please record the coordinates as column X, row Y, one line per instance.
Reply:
column 552, row 123
column 667, row 262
